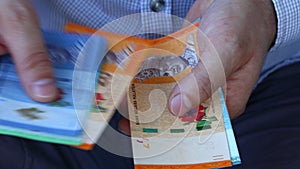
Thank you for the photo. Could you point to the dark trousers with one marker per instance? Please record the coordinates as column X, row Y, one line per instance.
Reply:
column 268, row 135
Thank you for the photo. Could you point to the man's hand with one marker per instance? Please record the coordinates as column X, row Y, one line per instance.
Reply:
column 242, row 32
column 20, row 35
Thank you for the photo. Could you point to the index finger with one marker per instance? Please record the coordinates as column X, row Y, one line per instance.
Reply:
column 21, row 35
column 206, row 77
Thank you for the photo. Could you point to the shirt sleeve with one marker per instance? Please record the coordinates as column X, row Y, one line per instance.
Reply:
column 288, row 22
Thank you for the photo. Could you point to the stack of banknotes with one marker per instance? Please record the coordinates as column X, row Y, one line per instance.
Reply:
column 56, row 122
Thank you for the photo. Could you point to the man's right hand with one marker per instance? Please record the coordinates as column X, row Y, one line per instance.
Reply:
column 241, row 33
column 21, row 37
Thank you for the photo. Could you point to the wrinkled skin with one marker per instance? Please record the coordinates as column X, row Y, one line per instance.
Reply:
column 20, row 36
column 242, row 32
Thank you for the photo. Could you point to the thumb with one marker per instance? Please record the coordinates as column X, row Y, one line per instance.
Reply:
column 20, row 32
column 201, row 83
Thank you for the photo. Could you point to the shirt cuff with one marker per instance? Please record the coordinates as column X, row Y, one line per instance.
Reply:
column 288, row 22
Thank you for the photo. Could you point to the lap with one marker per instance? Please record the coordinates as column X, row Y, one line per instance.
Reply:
column 268, row 131
column 267, row 134
column 20, row 153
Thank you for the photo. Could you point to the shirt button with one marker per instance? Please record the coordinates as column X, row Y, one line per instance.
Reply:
column 157, row 5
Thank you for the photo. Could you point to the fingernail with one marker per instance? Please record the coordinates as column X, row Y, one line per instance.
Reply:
column 180, row 104
column 44, row 88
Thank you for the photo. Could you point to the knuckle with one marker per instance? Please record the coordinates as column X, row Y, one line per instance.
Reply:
column 20, row 13
column 36, row 61
column 17, row 14
column 236, row 45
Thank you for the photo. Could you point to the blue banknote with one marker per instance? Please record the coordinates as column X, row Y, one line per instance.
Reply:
column 71, row 55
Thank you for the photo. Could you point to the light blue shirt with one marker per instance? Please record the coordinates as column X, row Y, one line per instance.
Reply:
column 54, row 14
